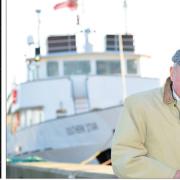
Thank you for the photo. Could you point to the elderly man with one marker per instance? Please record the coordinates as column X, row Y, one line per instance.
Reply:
column 146, row 142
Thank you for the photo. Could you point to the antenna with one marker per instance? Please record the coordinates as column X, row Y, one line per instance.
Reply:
column 38, row 11
column 122, row 56
column 88, row 46
column 80, row 12
column 125, row 16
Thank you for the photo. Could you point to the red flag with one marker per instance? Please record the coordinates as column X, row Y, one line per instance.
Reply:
column 71, row 4
column 14, row 96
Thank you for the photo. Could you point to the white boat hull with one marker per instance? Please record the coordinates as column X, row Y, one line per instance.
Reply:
column 67, row 139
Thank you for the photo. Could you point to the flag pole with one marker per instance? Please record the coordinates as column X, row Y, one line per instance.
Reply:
column 122, row 58
column 125, row 16
column 123, row 69
column 38, row 50
column 38, row 11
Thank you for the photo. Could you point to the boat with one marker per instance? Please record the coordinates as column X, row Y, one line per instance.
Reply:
column 68, row 108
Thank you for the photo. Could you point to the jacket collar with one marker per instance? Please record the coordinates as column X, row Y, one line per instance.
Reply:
column 176, row 96
column 168, row 95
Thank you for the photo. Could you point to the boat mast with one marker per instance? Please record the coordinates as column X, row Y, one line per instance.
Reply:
column 122, row 58
column 38, row 49
column 38, row 11
column 125, row 16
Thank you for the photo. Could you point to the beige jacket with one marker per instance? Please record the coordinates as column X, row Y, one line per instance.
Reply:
column 146, row 142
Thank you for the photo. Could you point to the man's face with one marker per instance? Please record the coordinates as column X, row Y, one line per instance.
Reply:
column 175, row 78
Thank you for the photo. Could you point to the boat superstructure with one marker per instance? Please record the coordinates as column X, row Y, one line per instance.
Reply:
column 68, row 108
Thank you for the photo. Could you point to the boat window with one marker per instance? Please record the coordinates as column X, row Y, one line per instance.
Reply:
column 108, row 67
column 23, row 119
column 37, row 116
column 58, row 44
column 29, row 117
column 132, row 67
column 52, row 69
column 112, row 42
column 76, row 67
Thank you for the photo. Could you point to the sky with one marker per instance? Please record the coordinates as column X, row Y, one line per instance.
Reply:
column 154, row 24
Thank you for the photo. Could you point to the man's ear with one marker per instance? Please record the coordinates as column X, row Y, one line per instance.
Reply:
column 172, row 73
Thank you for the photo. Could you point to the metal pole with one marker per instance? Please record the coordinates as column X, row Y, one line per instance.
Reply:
column 122, row 57
column 125, row 16
column 38, row 11
column 123, row 69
